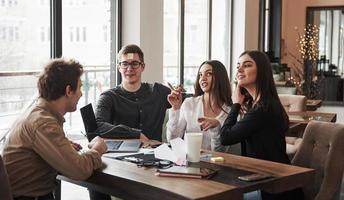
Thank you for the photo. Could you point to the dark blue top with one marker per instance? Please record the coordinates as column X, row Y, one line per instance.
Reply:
column 261, row 129
column 143, row 110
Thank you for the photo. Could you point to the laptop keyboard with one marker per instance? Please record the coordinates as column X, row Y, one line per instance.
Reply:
column 113, row 145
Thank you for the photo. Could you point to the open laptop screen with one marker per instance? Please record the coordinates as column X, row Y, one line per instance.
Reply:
column 89, row 119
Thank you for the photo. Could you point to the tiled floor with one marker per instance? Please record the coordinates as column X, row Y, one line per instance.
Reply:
column 73, row 192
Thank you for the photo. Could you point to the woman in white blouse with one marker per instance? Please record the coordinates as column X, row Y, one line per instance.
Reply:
column 206, row 111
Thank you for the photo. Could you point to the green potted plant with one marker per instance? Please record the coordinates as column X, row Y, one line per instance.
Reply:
column 277, row 70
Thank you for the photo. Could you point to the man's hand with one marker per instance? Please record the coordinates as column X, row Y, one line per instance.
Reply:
column 147, row 142
column 151, row 143
column 76, row 146
column 98, row 144
column 143, row 138
column 207, row 123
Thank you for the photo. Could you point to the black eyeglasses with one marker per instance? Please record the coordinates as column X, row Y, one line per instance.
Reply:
column 161, row 164
column 134, row 64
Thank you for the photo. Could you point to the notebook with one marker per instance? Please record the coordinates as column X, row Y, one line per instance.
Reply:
column 114, row 145
column 186, row 172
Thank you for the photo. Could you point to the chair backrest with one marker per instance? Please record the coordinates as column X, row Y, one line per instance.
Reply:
column 5, row 191
column 322, row 149
column 293, row 103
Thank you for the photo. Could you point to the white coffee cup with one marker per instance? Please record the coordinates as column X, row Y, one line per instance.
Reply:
column 193, row 143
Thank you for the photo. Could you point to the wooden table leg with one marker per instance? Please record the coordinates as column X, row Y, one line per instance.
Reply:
column 58, row 190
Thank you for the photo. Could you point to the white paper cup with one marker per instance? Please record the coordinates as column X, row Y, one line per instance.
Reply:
column 193, row 146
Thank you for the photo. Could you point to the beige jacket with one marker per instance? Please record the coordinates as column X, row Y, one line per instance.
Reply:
column 37, row 149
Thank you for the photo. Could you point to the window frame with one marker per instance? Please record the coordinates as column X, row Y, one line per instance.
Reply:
column 181, row 36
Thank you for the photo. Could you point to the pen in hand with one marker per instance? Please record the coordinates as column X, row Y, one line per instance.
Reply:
column 170, row 86
column 178, row 88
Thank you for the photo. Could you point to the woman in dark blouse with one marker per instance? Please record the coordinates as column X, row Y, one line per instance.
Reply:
column 264, row 121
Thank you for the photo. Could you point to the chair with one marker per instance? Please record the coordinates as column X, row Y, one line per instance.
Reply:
column 5, row 191
column 293, row 103
column 322, row 149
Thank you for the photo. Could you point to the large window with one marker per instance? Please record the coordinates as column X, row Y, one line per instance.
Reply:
column 28, row 39
column 87, row 41
column 24, row 48
column 220, row 37
column 204, row 33
column 171, row 42
column 195, row 39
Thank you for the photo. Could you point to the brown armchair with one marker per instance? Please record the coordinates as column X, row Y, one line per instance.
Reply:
column 322, row 149
column 293, row 103
column 5, row 191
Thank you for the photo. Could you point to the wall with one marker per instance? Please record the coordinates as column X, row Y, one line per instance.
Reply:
column 252, row 24
column 294, row 16
column 143, row 25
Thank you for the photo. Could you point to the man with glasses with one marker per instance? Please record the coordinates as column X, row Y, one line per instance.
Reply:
column 132, row 109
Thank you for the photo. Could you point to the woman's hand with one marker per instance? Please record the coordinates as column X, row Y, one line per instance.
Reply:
column 237, row 97
column 207, row 123
column 175, row 99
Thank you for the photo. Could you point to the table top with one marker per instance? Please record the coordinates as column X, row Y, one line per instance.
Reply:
column 287, row 177
column 313, row 104
column 306, row 116
column 126, row 180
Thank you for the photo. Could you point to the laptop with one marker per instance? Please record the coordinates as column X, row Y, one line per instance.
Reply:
column 114, row 145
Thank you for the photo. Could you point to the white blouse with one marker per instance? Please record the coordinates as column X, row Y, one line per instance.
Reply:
column 185, row 119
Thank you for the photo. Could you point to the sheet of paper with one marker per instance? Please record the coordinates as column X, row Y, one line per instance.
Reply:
column 165, row 153
column 179, row 148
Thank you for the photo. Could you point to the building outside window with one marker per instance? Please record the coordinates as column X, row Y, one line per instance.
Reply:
column 86, row 44
column 21, row 51
column 25, row 48
column 196, row 41
column 171, row 42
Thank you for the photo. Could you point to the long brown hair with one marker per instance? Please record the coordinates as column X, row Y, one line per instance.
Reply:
column 265, row 85
column 220, row 86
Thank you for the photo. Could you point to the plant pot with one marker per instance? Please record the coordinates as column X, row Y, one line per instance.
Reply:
column 277, row 77
column 286, row 90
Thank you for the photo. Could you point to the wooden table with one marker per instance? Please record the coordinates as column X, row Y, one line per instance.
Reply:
column 305, row 117
column 126, row 180
column 313, row 104
column 299, row 120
